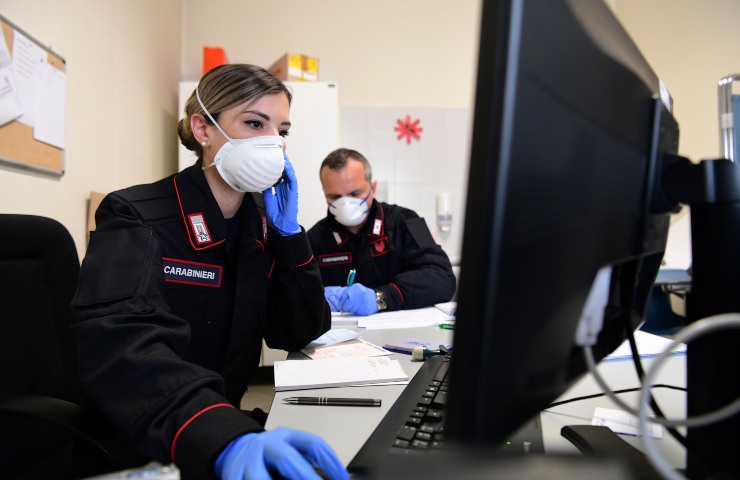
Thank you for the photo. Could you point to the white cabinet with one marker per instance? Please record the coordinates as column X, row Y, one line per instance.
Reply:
column 314, row 132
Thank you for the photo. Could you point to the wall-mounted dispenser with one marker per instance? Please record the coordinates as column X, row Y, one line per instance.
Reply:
column 444, row 212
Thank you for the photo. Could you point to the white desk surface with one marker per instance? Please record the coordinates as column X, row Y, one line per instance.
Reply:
column 347, row 428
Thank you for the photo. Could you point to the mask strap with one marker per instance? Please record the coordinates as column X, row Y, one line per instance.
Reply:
column 364, row 200
column 197, row 95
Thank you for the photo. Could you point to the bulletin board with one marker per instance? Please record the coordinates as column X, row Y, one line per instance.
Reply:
column 19, row 146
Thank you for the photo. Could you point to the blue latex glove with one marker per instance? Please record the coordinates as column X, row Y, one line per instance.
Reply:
column 281, row 207
column 291, row 452
column 358, row 299
column 333, row 295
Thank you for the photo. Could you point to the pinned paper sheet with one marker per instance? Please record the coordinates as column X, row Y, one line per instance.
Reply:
column 620, row 421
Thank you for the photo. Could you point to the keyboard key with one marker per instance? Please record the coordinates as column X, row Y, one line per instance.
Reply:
column 407, row 432
column 433, row 414
column 432, row 428
column 420, row 444
column 440, row 398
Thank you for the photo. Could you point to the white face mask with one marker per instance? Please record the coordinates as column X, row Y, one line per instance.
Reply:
column 248, row 164
column 350, row 211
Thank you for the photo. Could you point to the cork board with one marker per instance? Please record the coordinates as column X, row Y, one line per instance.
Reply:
column 18, row 147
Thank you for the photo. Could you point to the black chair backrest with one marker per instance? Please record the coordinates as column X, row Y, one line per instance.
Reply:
column 39, row 269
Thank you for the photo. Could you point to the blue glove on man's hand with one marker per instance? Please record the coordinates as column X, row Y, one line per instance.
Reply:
column 291, row 452
column 333, row 296
column 281, row 207
column 358, row 299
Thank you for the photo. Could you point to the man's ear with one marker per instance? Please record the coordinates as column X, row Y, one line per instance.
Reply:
column 374, row 186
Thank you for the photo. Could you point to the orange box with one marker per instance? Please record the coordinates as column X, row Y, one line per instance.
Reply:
column 213, row 57
column 296, row 67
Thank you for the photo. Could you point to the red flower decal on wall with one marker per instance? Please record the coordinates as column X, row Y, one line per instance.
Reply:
column 408, row 129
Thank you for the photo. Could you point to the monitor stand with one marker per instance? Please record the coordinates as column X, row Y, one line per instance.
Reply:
column 600, row 441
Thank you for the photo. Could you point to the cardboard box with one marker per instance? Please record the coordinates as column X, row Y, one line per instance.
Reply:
column 296, row 67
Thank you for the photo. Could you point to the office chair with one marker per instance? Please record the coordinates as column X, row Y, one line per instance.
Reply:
column 44, row 430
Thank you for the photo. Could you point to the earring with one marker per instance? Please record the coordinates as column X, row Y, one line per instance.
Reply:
column 203, row 143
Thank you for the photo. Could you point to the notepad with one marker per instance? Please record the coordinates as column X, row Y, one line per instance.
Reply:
column 336, row 372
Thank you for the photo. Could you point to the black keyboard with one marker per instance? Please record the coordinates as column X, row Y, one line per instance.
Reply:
column 424, row 426
column 415, row 423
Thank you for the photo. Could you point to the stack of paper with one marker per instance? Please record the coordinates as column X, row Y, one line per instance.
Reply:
column 419, row 317
column 648, row 345
column 336, row 372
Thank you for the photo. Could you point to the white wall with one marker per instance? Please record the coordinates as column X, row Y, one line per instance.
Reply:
column 691, row 45
column 125, row 59
column 413, row 174
column 123, row 67
column 382, row 52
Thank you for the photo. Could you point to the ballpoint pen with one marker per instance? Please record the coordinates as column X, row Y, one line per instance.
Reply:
column 347, row 402
column 350, row 281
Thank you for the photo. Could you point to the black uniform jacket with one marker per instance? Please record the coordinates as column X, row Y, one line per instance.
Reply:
column 170, row 317
column 394, row 253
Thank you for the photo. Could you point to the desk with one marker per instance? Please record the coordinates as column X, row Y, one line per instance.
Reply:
column 347, row 428
column 620, row 375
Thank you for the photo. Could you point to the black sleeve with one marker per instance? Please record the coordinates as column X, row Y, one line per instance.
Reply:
column 298, row 310
column 131, row 349
column 426, row 275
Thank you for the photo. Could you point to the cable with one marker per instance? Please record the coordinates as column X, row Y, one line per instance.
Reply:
column 617, row 392
column 695, row 329
column 653, row 402
column 588, row 353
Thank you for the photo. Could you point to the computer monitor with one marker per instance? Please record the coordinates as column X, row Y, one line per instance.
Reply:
column 570, row 126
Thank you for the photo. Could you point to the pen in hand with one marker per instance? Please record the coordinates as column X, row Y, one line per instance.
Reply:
column 347, row 402
column 350, row 281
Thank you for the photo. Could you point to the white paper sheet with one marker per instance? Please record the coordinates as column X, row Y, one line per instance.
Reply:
column 420, row 317
column 336, row 372
column 27, row 56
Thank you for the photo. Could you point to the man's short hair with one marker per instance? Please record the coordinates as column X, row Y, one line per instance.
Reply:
column 337, row 159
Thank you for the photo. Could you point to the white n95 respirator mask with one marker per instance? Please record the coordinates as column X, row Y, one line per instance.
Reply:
column 248, row 164
column 350, row 211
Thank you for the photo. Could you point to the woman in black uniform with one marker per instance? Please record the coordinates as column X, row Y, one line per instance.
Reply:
column 184, row 277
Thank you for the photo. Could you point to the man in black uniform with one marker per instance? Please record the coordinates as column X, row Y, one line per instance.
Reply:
column 184, row 277
column 397, row 262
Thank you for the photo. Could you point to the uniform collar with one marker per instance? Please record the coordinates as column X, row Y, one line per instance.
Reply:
column 202, row 216
column 200, row 212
